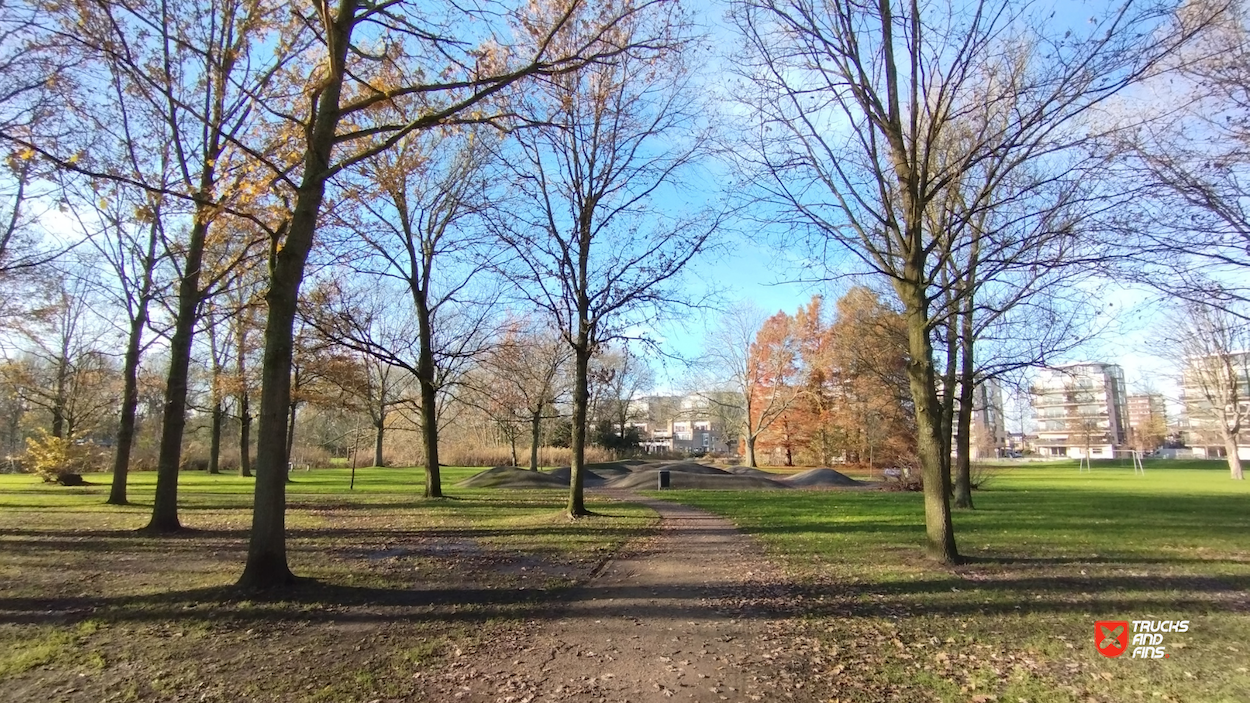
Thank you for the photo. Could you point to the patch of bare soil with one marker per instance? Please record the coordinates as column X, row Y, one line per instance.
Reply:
column 104, row 614
column 695, row 613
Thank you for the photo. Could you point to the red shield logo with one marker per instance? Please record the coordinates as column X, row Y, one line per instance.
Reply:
column 1111, row 637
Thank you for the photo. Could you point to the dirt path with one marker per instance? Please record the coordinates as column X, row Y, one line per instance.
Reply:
column 694, row 614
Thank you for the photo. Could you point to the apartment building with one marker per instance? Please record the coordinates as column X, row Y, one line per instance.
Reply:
column 1147, row 421
column 1207, row 377
column 1081, row 410
column 691, row 424
column 988, row 430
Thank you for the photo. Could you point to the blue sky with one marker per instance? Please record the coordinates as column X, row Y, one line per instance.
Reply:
column 751, row 269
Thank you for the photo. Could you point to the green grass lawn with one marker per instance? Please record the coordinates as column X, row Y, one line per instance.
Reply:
column 92, row 611
column 1051, row 551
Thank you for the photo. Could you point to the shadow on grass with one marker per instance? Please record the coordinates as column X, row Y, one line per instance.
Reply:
column 99, row 540
column 314, row 601
column 1079, row 560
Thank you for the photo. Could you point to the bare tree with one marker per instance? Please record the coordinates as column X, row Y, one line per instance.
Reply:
column 592, row 249
column 217, row 354
column 1014, row 249
column 417, row 212
column 315, row 367
column 25, row 246
column 243, row 326
column 759, row 382
column 1184, row 149
column 363, row 318
column 525, row 377
column 340, row 83
column 124, row 226
column 31, row 63
column 185, row 75
column 32, row 68
column 64, row 367
column 618, row 376
column 380, row 388
column 1213, row 346
column 854, row 101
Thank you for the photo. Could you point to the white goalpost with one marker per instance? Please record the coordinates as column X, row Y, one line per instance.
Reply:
column 1131, row 457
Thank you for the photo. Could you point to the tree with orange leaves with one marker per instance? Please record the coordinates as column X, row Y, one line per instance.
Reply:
column 771, row 388
column 823, row 391
column 867, row 357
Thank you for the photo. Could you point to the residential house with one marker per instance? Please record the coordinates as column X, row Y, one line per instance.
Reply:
column 695, row 423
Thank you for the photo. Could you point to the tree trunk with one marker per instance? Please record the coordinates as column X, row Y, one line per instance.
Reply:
column 130, row 403
column 130, row 372
column 245, row 401
column 750, row 440
column 512, row 443
column 58, row 406
column 266, row 566
column 379, row 434
column 939, row 529
column 429, row 393
column 429, row 436
column 245, row 435
column 581, row 399
column 535, row 437
column 214, row 441
column 967, row 383
column 14, row 432
column 967, row 398
column 266, row 555
column 290, row 430
column 949, row 384
column 165, row 505
column 1234, row 459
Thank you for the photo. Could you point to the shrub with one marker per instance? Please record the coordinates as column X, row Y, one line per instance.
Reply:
column 308, row 457
column 604, row 435
column 460, row 455
column 981, row 474
column 60, row 459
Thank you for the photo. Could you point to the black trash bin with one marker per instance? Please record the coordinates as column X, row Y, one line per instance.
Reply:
column 664, row 478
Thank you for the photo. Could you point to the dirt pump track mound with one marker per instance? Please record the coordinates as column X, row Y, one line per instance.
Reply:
column 512, row 477
column 649, row 479
column 822, row 478
column 639, row 475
